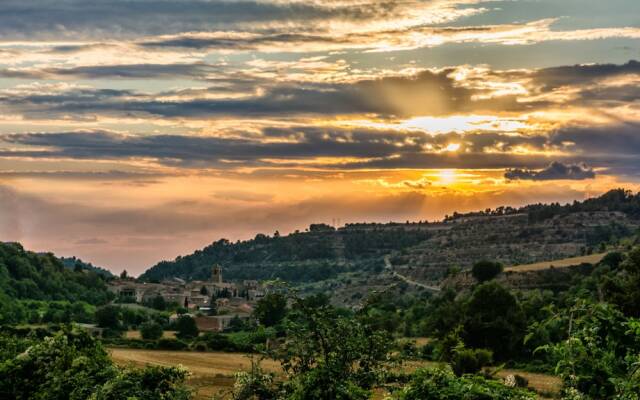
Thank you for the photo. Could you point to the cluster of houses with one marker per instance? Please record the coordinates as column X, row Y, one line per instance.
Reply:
column 226, row 300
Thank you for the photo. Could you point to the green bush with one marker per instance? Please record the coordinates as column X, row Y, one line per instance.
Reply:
column 485, row 270
column 72, row 365
column 150, row 383
column 186, row 328
column 151, row 331
column 200, row 347
column 172, row 344
column 442, row 384
column 470, row 361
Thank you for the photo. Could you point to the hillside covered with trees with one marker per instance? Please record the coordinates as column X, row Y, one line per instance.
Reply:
column 27, row 277
column 320, row 253
column 426, row 251
column 77, row 264
column 620, row 200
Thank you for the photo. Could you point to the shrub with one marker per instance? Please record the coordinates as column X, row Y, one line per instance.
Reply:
column 217, row 341
column 72, row 365
column 109, row 317
column 442, row 384
column 186, row 328
column 150, row 383
column 151, row 331
column 172, row 344
column 484, row 271
column 470, row 361
column 200, row 347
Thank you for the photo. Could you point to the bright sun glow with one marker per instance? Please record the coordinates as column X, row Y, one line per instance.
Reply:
column 464, row 123
column 447, row 176
column 453, row 147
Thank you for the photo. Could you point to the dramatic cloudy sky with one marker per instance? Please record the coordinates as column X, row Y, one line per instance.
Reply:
column 132, row 131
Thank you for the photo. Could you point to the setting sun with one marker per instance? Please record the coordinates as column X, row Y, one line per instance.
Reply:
column 447, row 176
column 452, row 147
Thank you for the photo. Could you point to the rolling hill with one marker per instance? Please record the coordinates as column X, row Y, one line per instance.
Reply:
column 353, row 256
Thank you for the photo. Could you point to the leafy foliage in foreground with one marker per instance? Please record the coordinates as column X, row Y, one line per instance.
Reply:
column 600, row 357
column 73, row 366
column 442, row 384
column 327, row 355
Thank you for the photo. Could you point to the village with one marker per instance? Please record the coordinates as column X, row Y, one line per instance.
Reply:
column 213, row 304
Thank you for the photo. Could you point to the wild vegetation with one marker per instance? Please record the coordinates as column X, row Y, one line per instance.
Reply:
column 322, row 258
column 586, row 331
column 38, row 288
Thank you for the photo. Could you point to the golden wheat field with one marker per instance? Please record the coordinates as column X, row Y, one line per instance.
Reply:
column 137, row 335
column 566, row 262
column 212, row 373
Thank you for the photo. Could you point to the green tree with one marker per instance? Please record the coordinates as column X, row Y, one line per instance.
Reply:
column 151, row 331
column 328, row 355
column 71, row 365
column 621, row 286
column 470, row 361
column 159, row 303
column 150, row 383
column 186, row 327
column 484, row 271
column 271, row 309
column 494, row 321
column 109, row 317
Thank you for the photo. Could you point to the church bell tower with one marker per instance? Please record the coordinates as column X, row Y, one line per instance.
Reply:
column 216, row 274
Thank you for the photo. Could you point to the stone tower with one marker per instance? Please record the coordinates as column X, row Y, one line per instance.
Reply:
column 216, row 274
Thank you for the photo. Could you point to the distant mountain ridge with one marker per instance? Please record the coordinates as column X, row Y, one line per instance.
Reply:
column 425, row 250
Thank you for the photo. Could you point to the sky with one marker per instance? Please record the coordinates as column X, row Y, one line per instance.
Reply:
column 133, row 131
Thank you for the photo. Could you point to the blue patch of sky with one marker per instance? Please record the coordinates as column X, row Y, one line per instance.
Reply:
column 572, row 14
column 540, row 55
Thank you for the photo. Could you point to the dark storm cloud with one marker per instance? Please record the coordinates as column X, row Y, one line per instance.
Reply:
column 125, row 18
column 555, row 171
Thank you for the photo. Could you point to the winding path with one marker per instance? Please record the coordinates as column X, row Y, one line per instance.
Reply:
column 388, row 266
